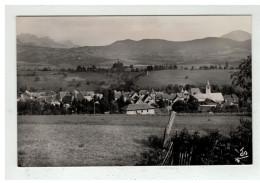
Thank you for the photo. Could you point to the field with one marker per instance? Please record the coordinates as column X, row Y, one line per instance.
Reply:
column 55, row 80
column 101, row 140
column 182, row 77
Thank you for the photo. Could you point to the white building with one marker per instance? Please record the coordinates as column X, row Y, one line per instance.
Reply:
column 143, row 108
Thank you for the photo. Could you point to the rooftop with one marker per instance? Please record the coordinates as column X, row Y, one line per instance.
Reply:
column 133, row 107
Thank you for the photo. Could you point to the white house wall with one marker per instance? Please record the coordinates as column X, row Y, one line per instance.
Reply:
column 145, row 111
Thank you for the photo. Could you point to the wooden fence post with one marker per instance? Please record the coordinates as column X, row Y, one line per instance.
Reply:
column 168, row 129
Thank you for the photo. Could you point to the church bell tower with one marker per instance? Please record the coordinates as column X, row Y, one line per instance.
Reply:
column 208, row 89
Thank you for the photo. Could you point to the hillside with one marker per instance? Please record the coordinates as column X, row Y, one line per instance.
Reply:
column 147, row 51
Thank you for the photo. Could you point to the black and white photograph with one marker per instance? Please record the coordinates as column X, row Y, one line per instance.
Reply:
column 134, row 90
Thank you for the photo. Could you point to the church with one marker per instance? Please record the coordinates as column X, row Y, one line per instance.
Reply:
column 208, row 96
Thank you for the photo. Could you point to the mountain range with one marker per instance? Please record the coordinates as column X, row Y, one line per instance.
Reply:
column 231, row 47
column 32, row 40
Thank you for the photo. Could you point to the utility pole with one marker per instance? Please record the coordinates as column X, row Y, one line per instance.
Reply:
column 168, row 130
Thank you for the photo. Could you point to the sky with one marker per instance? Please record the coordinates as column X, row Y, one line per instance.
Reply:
column 104, row 30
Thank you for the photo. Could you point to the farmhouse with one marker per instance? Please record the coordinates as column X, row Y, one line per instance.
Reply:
column 133, row 109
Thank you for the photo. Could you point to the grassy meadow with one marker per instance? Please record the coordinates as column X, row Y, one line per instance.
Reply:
column 54, row 80
column 182, row 77
column 101, row 140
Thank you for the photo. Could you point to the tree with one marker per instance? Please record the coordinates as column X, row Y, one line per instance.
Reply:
column 162, row 104
column 79, row 69
column 45, row 69
column 118, row 66
column 179, row 106
column 104, row 105
column 243, row 78
column 114, row 107
column 193, row 104
column 149, row 68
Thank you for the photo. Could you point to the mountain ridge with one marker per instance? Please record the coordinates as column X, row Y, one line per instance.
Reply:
column 46, row 41
column 214, row 50
column 237, row 35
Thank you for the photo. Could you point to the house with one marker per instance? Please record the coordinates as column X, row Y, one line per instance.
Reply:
column 152, row 94
column 63, row 94
column 142, row 93
column 26, row 96
column 169, row 98
column 216, row 97
column 148, row 99
column 133, row 109
column 184, row 95
column 88, row 95
column 77, row 95
column 117, row 94
column 67, row 99
column 231, row 100
column 126, row 96
column 159, row 96
column 134, row 95
column 42, row 93
column 99, row 95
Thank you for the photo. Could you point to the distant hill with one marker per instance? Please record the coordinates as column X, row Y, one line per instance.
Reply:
column 32, row 40
column 238, row 35
column 147, row 51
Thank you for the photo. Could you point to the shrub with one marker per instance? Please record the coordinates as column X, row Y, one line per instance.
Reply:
column 209, row 149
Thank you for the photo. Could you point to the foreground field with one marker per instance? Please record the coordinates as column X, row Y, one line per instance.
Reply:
column 100, row 140
column 182, row 77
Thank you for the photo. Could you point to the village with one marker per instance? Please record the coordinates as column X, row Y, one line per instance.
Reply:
column 136, row 102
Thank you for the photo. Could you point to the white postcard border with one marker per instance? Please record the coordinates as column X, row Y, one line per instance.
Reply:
column 113, row 172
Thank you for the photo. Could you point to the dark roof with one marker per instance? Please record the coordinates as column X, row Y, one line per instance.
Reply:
column 209, row 102
column 67, row 98
column 133, row 107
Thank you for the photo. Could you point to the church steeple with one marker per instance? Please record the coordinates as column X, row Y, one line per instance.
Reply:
column 208, row 89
